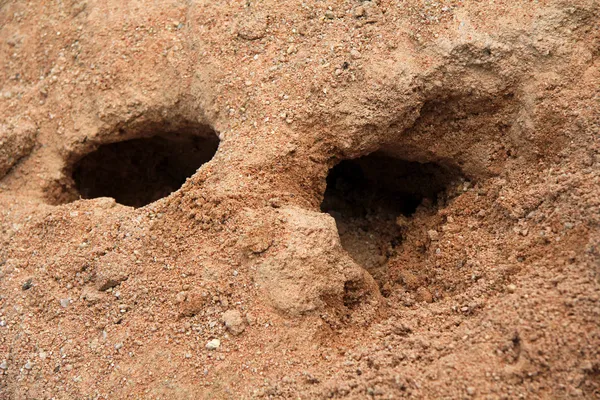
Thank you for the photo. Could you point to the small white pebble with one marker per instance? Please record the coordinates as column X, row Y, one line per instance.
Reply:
column 213, row 344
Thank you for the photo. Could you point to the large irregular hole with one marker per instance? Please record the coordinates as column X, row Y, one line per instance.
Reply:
column 139, row 171
column 372, row 198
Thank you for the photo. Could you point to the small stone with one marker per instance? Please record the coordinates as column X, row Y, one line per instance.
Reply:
column 28, row 284
column 213, row 344
column 2, row 323
column 118, row 346
column 109, row 276
column 424, row 295
column 253, row 28
column 587, row 366
column 371, row 12
column 234, row 322
column 274, row 202
column 43, row 355
column 28, row 365
column 180, row 298
column 106, row 202
column 359, row 12
column 511, row 288
column 4, row 365
column 91, row 295
column 292, row 49
column 470, row 390
column 329, row 14
column 355, row 54
column 193, row 304
column 64, row 303
column 433, row 234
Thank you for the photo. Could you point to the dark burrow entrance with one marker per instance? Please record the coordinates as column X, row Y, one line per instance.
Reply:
column 139, row 171
column 372, row 198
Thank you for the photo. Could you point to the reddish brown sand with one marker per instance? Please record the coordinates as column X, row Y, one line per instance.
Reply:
column 405, row 199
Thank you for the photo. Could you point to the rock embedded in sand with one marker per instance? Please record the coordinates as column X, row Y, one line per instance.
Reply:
column 193, row 304
column 91, row 296
column 213, row 344
column 109, row 276
column 424, row 295
column 234, row 321
column 433, row 235
column 253, row 28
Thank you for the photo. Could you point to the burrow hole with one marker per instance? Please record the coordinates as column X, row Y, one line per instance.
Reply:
column 371, row 199
column 139, row 171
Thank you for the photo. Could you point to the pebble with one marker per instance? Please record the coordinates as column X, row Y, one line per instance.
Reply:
column 424, row 294
column 2, row 323
column 28, row 365
column 4, row 365
column 234, row 322
column 108, row 278
column 359, row 12
column 471, row 390
column 91, row 295
column 511, row 288
column 433, row 234
column 253, row 28
column 64, row 303
column 180, row 298
column 329, row 14
column 27, row 285
column 213, row 344
column 118, row 346
column 355, row 54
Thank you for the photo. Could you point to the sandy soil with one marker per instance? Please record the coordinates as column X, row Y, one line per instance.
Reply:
column 404, row 201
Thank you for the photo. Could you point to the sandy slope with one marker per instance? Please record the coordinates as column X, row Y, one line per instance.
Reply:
column 405, row 199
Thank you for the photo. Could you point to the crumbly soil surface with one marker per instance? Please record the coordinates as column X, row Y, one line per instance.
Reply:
column 321, row 199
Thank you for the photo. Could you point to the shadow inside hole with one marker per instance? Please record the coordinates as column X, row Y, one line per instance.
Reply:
column 140, row 171
column 371, row 196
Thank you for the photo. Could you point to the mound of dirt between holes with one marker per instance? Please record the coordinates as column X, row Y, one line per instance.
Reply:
column 307, row 200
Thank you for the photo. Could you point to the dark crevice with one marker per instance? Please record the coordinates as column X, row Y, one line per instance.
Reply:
column 140, row 171
column 369, row 197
